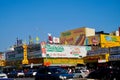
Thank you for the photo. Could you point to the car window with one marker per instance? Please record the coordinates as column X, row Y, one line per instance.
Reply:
column 30, row 70
column 77, row 71
column 60, row 70
column 56, row 70
column 0, row 71
column 13, row 72
column 42, row 71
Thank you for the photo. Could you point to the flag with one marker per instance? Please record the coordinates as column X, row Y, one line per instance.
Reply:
column 37, row 39
column 56, row 40
column 50, row 39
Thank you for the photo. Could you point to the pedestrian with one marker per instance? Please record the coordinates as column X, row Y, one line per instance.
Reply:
column 69, row 70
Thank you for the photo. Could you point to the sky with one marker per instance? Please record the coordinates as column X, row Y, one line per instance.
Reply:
column 37, row 18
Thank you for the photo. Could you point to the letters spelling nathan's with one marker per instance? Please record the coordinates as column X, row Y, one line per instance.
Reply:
column 52, row 48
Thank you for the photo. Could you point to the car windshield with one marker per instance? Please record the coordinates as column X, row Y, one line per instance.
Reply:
column 58, row 70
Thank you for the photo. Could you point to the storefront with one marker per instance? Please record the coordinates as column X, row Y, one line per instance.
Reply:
column 97, row 57
column 48, row 54
column 97, row 61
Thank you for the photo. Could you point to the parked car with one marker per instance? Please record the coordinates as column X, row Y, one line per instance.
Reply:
column 52, row 73
column 20, row 73
column 12, row 74
column 3, row 75
column 16, row 73
column 31, row 73
column 105, row 74
column 78, row 73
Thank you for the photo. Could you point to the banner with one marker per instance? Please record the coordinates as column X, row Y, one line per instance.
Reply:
column 65, row 51
column 109, row 41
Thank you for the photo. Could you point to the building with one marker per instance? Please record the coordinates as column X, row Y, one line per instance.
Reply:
column 2, row 59
column 77, row 46
column 44, row 53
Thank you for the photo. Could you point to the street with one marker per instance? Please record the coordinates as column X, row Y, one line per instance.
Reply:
column 33, row 79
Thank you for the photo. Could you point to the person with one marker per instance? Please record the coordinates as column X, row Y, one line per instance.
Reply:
column 73, row 70
column 69, row 70
column 25, row 70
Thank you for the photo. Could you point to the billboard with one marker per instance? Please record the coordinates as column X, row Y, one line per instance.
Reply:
column 109, row 41
column 92, row 40
column 76, row 36
column 53, row 50
column 73, row 37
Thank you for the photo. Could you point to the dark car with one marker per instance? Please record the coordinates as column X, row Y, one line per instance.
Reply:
column 15, row 74
column 52, row 73
column 31, row 73
column 12, row 74
column 104, row 74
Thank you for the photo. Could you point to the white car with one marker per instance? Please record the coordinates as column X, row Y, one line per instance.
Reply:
column 3, row 75
column 20, row 73
column 80, row 73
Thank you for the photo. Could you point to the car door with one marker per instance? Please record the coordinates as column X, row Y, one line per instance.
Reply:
column 43, row 74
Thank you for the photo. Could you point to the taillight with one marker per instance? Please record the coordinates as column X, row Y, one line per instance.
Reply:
column 111, row 72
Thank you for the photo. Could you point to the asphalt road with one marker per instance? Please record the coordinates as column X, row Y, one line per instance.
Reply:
column 33, row 79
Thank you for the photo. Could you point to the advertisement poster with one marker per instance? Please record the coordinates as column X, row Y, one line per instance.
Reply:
column 73, row 37
column 92, row 40
column 109, row 41
column 53, row 50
